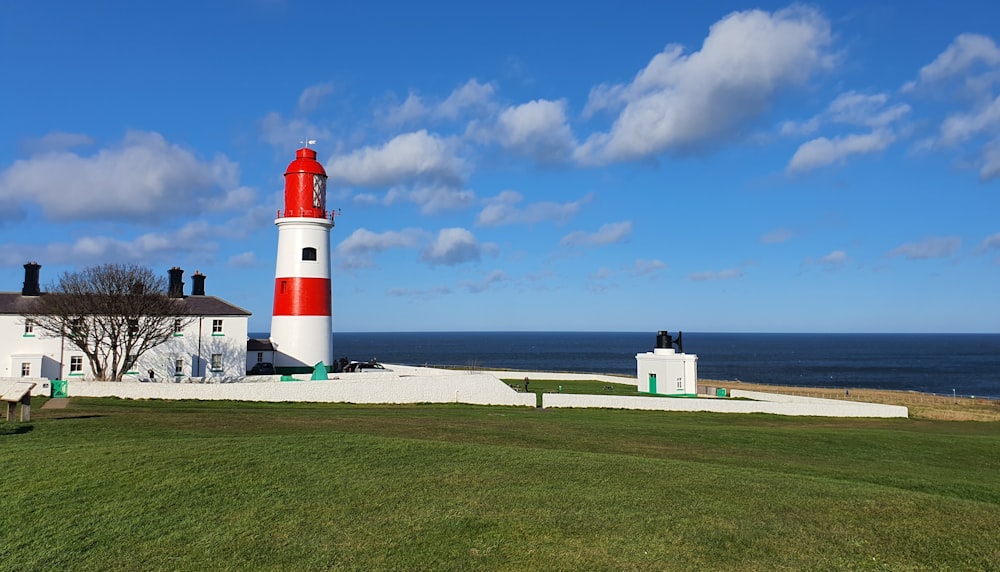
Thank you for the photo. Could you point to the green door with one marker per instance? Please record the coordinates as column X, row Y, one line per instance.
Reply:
column 652, row 383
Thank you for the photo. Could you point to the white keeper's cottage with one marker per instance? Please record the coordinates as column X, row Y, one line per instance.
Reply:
column 211, row 347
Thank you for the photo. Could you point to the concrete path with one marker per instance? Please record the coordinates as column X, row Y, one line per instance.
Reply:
column 56, row 403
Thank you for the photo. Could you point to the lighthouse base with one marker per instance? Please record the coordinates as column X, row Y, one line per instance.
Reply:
column 300, row 342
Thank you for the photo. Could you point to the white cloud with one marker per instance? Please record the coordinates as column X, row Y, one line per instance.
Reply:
column 537, row 129
column 931, row 247
column 643, row 267
column 55, row 141
column 821, row 151
column 608, row 234
column 728, row 274
column 958, row 59
column 194, row 237
column 835, row 258
column 991, row 242
column 452, row 246
column 406, row 159
column 470, row 97
column 356, row 250
column 144, row 177
column 960, row 127
column 775, row 236
column 312, row 96
column 495, row 277
column 243, row 259
column 684, row 102
column 503, row 210
column 990, row 162
column 432, row 199
column 851, row 108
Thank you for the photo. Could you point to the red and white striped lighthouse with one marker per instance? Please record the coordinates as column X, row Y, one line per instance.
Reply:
column 302, row 320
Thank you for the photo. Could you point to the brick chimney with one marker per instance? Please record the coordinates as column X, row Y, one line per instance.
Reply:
column 175, row 289
column 31, row 287
column 197, row 284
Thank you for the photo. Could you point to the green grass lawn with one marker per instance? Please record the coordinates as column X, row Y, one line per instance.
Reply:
column 110, row 484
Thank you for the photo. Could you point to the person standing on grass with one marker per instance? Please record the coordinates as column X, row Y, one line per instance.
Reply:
column 526, row 384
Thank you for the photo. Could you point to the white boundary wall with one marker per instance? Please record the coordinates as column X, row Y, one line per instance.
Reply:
column 763, row 403
column 556, row 376
column 390, row 387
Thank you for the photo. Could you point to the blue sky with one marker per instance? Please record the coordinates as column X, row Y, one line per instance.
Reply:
column 619, row 166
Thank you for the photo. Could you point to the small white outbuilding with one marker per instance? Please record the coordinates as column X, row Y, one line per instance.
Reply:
column 666, row 371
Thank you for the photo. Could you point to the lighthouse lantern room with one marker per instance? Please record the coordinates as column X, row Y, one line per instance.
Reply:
column 302, row 319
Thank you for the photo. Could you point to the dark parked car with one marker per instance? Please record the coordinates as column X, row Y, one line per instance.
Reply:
column 262, row 368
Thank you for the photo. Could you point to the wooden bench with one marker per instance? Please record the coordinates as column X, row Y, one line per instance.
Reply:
column 19, row 393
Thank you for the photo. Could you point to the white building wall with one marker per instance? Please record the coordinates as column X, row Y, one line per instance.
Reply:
column 676, row 374
column 52, row 357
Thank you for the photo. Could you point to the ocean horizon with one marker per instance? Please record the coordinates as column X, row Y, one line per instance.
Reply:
column 946, row 364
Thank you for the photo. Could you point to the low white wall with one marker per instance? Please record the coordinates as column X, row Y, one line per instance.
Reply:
column 556, row 376
column 42, row 387
column 764, row 403
column 479, row 389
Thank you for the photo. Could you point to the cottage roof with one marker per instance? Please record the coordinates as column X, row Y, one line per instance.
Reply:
column 12, row 303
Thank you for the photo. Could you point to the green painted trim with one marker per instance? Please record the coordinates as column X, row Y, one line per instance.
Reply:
column 28, row 336
column 76, row 374
column 218, row 334
column 132, row 372
column 178, row 335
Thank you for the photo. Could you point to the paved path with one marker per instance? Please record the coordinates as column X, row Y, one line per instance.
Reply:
column 56, row 403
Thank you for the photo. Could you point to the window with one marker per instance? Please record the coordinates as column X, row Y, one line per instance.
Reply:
column 284, row 286
column 177, row 327
column 25, row 369
column 260, row 357
column 308, row 253
column 680, row 384
column 216, row 362
column 179, row 366
column 76, row 365
column 216, row 327
column 133, row 326
column 29, row 328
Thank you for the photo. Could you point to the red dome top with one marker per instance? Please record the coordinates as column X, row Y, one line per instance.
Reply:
column 305, row 186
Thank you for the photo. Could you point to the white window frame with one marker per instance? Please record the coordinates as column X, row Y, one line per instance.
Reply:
column 76, row 365
column 25, row 369
column 29, row 328
column 216, row 363
column 217, row 327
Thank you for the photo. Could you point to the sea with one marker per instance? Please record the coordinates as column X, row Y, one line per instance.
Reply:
column 966, row 365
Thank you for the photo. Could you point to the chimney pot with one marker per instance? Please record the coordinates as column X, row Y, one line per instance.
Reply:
column 31, row 286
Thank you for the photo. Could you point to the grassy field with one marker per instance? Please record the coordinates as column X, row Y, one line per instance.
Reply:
column 108, row 484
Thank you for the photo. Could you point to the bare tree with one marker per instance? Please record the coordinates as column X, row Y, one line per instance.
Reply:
column 114, row 313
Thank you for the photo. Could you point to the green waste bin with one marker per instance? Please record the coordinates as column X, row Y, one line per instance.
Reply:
column 720, row 392
column 60, row 388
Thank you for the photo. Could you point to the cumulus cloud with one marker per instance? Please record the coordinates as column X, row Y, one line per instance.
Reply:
column 452, row 246
column 931, row 247
column 610, row 233
column 821, row 151
column 312, row 96
column 685, row 102
column 960, row 127
column 408, row 158
column 538, row 129
column 144, row 177
column 504, row 209
column 356, row 250
column 728, row 274
column 194, row 237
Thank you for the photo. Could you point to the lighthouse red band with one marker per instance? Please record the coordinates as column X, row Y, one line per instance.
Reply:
column 302, row 318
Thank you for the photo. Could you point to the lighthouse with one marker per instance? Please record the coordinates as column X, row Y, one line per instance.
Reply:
column 302, row 320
